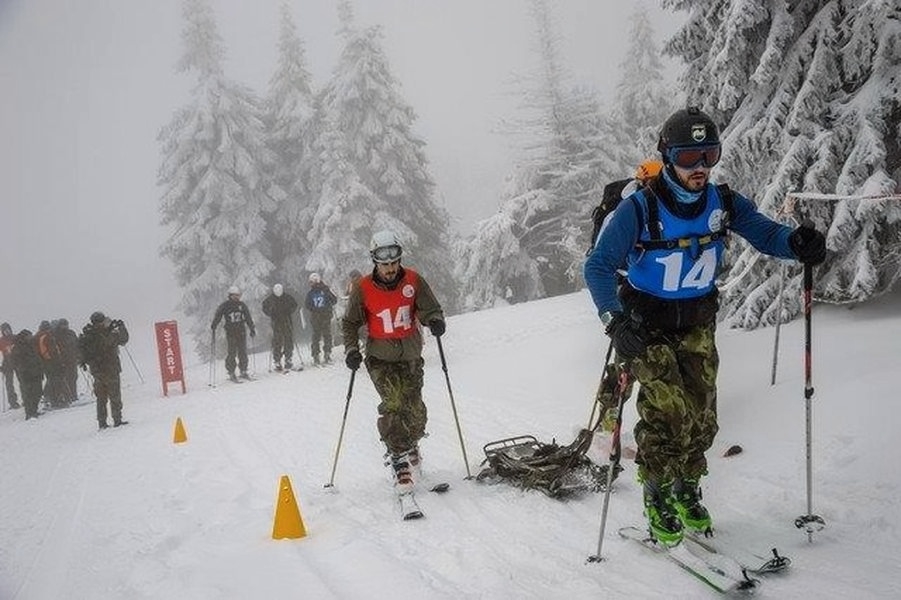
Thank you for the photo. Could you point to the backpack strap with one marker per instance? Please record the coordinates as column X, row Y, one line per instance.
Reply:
column 655, row 243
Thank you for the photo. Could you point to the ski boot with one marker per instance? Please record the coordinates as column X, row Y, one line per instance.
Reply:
column 663, row 519
column 403, row 475
column 687, row 501
column 278, row 366
column 232, row 377
column 245, row 375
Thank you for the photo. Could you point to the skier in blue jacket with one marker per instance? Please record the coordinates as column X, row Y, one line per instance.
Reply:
column 652, row 277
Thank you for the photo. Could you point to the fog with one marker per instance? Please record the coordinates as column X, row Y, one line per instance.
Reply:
column 86, row 87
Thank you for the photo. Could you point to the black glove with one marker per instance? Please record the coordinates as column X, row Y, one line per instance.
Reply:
column 84, row 366
column 808, row 244
column 116, row 324
column 352, row 359
column 628, row 335
column 437, row 327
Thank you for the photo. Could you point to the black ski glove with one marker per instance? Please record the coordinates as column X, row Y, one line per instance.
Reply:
column 353, row 359
column 808, row 244
column 437, row 327
column 628, row 335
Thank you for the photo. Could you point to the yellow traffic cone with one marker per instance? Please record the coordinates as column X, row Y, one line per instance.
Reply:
column 179, row 437
column 288, row 522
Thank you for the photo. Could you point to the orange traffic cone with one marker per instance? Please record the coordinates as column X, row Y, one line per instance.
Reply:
column 288, row 522
column 179, row 437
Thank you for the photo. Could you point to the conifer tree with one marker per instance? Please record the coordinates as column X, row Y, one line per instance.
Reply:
column 214, row 198
column 373, row 171
column 807, row 95
column 289, row 132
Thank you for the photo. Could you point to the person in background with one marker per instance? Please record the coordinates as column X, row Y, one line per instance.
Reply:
column 392, row 301
column 238, row 322
column 99, row 347
column 320, row 303
column 279, row 306
column 70, row 357
column 661, row 316
column 29, row 369
column 7, row 341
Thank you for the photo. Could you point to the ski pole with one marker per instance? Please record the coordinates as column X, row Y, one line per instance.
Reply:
column 809, row 522
column 615, row 454
column 453, row 407
column 350, row 390
column 778, row 324
column 597, row 396
column 133, row 363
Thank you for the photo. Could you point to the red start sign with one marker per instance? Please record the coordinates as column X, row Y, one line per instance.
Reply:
column 169, row 351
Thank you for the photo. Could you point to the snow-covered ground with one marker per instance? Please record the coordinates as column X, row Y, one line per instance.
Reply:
column 128, row 514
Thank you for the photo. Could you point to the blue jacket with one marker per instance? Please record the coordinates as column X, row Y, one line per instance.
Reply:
column 616, row 247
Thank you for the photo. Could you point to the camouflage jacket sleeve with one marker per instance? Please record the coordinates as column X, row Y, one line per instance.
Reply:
column 427, row 306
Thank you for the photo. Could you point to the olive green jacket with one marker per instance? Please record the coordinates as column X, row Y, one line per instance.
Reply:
column 426, row 309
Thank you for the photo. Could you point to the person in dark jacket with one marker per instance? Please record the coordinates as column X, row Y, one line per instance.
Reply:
column 320, row 303
column 99, row 346
column 669, row 241
column 70, row 357
column 238, row 321
column 29, row 369
column 7, row 341
column 279, row 307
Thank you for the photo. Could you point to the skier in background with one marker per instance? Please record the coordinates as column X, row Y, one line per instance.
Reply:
column 320, row 303
column 7, row 341
column 279, row 306
column 99, row 345
column 238, row 321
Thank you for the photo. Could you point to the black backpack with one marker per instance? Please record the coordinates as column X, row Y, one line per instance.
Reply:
column 613, row 195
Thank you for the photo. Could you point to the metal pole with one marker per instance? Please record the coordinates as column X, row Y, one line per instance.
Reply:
column 212, row 382
column 133, row 363
column 809, row 522
column 594, row 405
column 453, row 407
column 778, row 324
column 350, row 389
column 615, row 455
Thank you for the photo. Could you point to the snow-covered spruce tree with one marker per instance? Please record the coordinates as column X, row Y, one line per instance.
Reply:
column 644, row 94
column 214, row 197
column 289, row 130
column 374, row 172
column 810, row 98
column 541, row 226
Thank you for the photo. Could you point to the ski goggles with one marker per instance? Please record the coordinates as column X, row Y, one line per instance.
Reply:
column 386, row 254
column 689, row 157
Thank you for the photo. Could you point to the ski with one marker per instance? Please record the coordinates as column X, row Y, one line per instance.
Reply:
column 409, row 509
column 751, row 562
column 705, row 566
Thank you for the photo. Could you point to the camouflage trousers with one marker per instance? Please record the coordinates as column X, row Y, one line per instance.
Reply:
column 676, row 405
column 107, row 389
column 402, row 413
column 606, row 397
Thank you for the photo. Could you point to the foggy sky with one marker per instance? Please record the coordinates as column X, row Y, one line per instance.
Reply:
column 87, row 85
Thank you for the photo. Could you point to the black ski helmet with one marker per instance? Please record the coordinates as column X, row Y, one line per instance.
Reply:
column 97, row 317
column 687, row 127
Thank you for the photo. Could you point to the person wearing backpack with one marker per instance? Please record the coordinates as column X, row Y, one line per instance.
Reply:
column 99, row 346
column 661, row 315
column 320, row 303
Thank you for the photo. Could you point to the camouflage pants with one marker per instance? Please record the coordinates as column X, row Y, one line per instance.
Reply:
column 402, row 413
column 606, row 397
column 108, row 389
column 676, row 405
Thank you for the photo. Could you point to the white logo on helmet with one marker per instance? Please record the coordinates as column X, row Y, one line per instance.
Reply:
column 699, row 132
